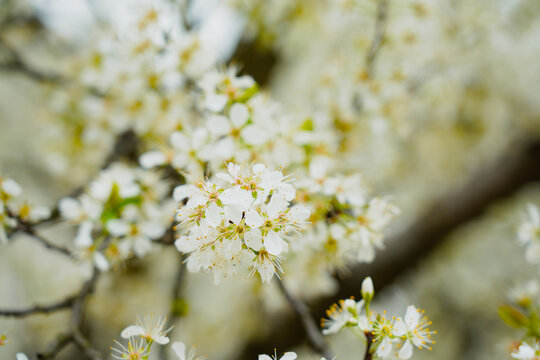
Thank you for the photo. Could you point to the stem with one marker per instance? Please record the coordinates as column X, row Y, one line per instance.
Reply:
column 315, row 338
column 369, row 340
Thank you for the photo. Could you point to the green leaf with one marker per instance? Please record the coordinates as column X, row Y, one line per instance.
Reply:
column 513, row 317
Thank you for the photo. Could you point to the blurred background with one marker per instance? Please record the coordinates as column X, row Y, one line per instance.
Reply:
column 439, row 105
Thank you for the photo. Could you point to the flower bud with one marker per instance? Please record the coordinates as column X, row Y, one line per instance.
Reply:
column 367, row 289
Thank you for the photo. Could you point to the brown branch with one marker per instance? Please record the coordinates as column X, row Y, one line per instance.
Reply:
column 77, row 318
column 314, row 335
column 56, row 346
column 176, row 291
column 40, row 309
column 378, row 37
column 28, row 228
column 497, row 180
column 368, row 355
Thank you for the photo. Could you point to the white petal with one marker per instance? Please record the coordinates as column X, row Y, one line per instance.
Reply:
column 84, row 235
column 101, row 261
column 70, row 208
column 180, row 350
column 238, row 197
column 264, row 357
column 253, row 239
column 288, row 356
column 160, row 339
column 184, row 191
column 179, row 141
column 400, row 328
column 129, row 190
column 287, row 191
column 273, row 243
column 213, row 215
column 218, row 125
column 215, row 102
column 412, row 316
column 239, row 114
column 153, row 230
column 253, row 219
column 298, row 213
column 152, row 159
column 254, row 135
column 385, row 347
column 117, row 227
column 131, row 331
column 11, row 188
column 233, row 213
column 406, row 351
column 21, row 356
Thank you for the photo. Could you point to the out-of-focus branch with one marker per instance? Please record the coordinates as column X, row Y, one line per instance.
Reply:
column 56, row 346
column 494, row 181
column 77, row 318
column 29, row 229
column 378, row 37
column 17, row 63
column 40, row 309
column 315, row 338
column 175, row 311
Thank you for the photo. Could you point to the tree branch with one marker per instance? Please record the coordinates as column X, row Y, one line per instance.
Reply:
column 55, row 347
column 378, row 37
column 28, row 229
column 174, row 313
column 40, row 309
column 314, row 335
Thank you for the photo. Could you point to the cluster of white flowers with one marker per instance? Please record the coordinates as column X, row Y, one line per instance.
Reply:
column 243, row 217
column 378, row 331
column 119, row 215
column 143, row 335
column 133, row 77
column 348, row 224
column 14, row 209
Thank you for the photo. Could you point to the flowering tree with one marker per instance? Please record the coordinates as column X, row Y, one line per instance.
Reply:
column 175, row 152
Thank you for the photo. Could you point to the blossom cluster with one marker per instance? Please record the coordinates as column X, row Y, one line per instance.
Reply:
column 13, row 209
column 119, row 215
column 379, row 332
column 242, row 217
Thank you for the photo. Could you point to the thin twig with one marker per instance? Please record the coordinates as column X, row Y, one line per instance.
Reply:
column 315, row 337
column 56, row 346
column 28, row 229
column 174, row 314
column 380, row 30
column 40, row 309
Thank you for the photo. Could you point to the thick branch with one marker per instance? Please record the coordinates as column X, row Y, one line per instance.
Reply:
column 315, row 338
column 40, row 309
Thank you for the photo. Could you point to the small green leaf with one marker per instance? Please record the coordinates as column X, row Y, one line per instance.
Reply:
column 513, row 317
